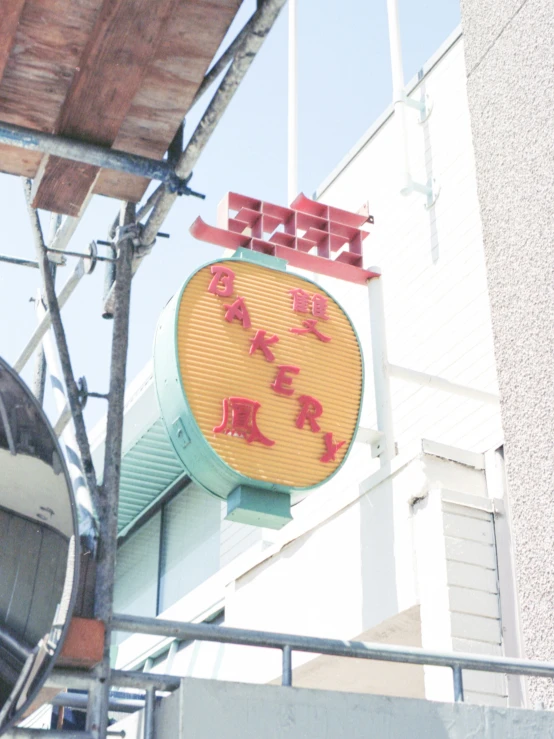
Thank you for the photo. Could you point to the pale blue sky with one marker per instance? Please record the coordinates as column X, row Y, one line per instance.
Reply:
column 344, row 85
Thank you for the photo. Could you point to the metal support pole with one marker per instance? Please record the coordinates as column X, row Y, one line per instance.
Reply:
column 85, row 506
column 407, row 185
column 287, row 667
column 63, row 350
column 292, row 175
column 149, row 708
column 40, row 362
column 398, row 92
column 381, row 377
column 112, row 464
column 458, row 683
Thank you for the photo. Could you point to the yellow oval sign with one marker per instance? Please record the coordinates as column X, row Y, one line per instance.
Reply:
column 272, row 372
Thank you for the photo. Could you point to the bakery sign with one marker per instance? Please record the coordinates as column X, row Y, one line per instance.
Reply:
column 259, row 378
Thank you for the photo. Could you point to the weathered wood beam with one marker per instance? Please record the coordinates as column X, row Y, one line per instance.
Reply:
column 11, row 11
column 114, row 62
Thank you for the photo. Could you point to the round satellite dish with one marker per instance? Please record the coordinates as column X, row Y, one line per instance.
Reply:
column 39, row 547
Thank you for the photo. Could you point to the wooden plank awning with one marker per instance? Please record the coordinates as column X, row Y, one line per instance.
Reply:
column 120, row 73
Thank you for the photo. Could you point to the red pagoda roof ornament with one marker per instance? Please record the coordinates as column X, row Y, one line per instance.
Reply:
column 293, row 234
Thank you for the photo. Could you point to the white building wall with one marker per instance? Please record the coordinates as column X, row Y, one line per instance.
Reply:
column 436, row 303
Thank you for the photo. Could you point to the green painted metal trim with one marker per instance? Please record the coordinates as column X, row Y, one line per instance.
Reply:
column 202, row 463
column 258, row 507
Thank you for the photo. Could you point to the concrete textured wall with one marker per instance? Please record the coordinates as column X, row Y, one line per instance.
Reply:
column 204, row 709
column 509, row 49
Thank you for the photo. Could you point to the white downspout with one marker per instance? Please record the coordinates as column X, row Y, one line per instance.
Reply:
column 400, row 101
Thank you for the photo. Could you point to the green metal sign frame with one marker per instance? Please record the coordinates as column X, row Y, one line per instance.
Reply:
column 248, row 500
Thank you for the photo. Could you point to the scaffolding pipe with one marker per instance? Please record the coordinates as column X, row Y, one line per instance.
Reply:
column 81, row 151
column 23, row 733
column 85, row 507
column 108, row 504
column 80, row 702
column 61, row 342
column 44, row 325
column 439, row 383
column 217, row 68
column 40, row 362
column 18, row 262
column 149, row 708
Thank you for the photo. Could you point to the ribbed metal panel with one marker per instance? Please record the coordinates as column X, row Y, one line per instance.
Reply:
column 147, row 470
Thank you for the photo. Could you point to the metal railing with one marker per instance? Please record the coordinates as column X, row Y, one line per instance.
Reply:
column 286, row 643
column 289, row 643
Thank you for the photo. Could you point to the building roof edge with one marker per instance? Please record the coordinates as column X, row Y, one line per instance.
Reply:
column 412, row 85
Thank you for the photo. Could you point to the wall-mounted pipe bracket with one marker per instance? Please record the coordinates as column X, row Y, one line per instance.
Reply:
column 424, row 105
column 431, row 190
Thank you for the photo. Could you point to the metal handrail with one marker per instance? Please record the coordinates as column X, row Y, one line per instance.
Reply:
column 288, row 643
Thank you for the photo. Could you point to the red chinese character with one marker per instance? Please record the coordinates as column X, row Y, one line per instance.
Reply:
column 222, row 281
column 319, row 307
column 330, row 448
column 239, row 311
column 311, row 409
column 282, row 382
column 260, row 342
column 310, row 324
column 300, row 300
column 239, row 419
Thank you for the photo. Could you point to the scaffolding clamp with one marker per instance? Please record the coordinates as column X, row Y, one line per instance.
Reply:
column 181, row 187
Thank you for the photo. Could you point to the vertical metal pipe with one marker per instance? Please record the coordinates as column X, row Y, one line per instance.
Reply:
column 149, row 707
column 292, row 175
column 287, row 667
column 112, row 465
column 398, row 94
column 109, row 279
column 39, row 375
column 381, row 376
column 458, row 683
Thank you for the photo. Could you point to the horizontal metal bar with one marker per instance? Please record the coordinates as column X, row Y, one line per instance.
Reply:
column 80, row 701
column 335, row 647
column 21, row 733
column 80, row 151
column 143, row 680
column 439, row 383
column 18, row 262
column 93, row 257
column 62, row 679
